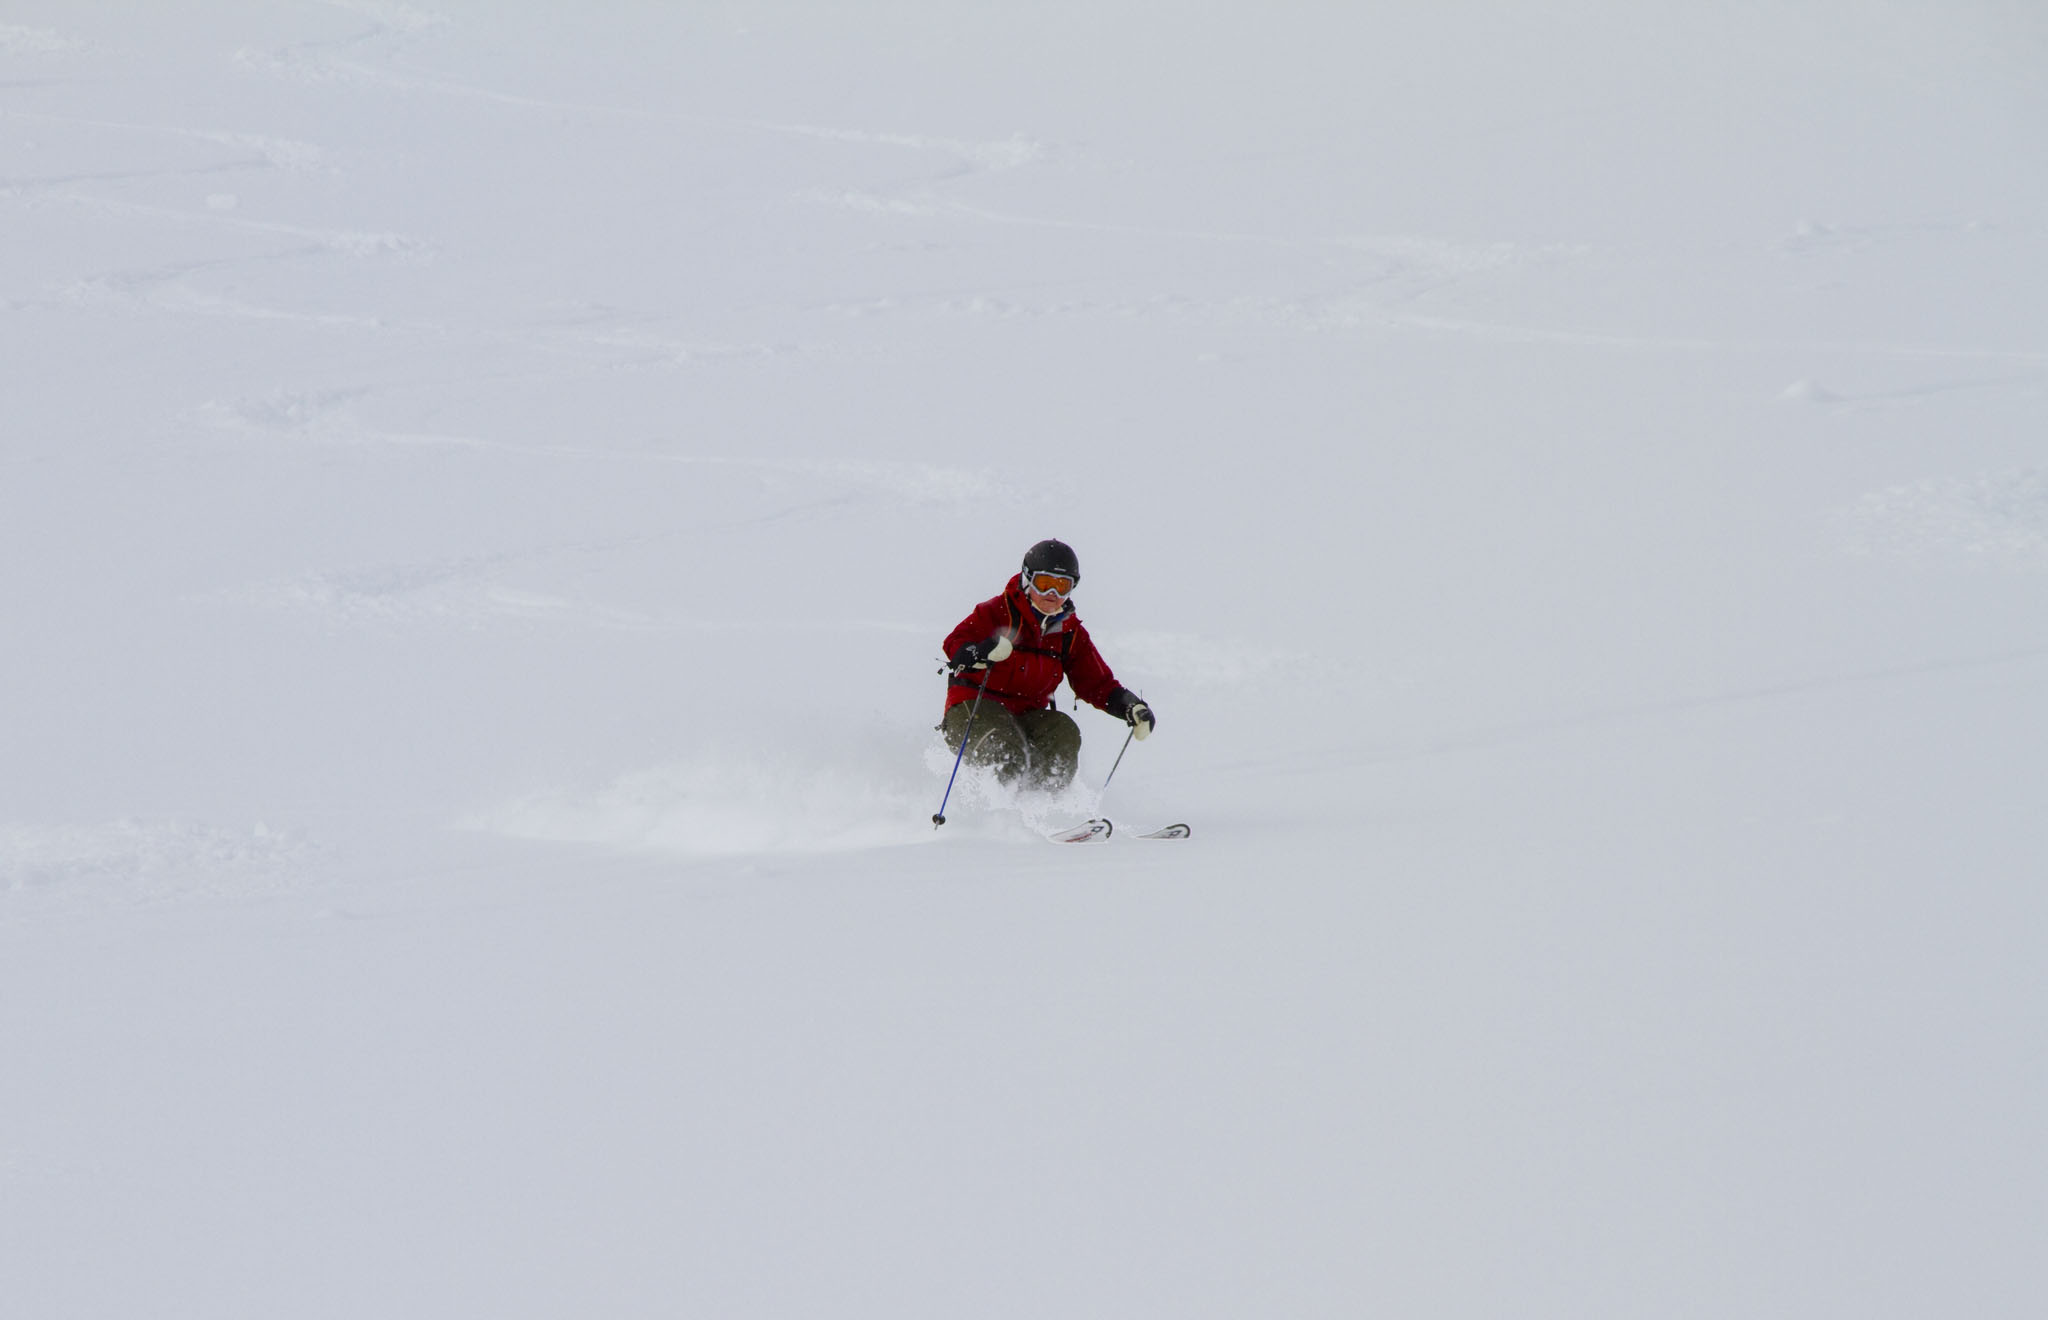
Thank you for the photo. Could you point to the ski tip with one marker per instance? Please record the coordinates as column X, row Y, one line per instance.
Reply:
column 1169, row 832
column 1094, row 831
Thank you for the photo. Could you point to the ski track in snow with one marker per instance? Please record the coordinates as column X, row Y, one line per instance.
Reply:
column 165, row 288
column 1368, row 313
column 1403, row 270
column 1406, row 270
column 316, row 62
column 326, row 417
column 1809, row 237
column 285, row 154
column 142, row 863
column 480, row 589
column 138, row 283
column 345, row 242
column 31, row 41
column 392, row 16
column 1810, row 391
column 472, row 592
column 162, row 289
column 985, row 157
column 313, row 61
column 461, row 591
column 1996, row 520
column 1409, row 266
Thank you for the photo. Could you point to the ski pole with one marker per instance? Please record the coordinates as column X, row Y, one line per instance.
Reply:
column 1119, row 759
column 1120, row 753
column 939, row 816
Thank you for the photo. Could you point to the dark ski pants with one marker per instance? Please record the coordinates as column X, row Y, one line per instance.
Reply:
column 1042, row 747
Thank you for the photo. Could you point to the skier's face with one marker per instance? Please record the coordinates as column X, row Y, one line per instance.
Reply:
column 1048, row 591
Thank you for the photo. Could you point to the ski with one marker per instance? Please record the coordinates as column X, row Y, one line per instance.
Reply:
column 1093, row 831
column 1099, row 830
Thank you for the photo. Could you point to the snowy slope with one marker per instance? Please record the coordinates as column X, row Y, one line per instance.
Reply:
column 483, row 487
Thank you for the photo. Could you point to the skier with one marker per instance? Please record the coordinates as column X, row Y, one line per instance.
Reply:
column 1004, row 662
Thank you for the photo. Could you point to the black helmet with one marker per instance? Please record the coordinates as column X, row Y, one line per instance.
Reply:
column 1052, row 557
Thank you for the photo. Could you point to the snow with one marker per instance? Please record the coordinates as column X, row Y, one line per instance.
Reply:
column 483, row 487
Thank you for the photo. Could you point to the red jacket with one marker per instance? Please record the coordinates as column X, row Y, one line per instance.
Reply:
column 1047, row 650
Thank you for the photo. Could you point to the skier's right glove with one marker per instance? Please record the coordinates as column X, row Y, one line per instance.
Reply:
column 979, row 655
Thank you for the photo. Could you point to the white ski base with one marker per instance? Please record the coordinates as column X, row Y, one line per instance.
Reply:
column 1093, row 831
column 1099, row 830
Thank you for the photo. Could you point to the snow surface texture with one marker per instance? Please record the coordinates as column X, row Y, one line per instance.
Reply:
column 483, row 486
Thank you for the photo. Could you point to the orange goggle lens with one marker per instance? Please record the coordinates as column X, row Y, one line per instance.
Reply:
column 1057, row 584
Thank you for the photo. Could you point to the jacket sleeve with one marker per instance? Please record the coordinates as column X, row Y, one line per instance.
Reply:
column 989, row 617
column 1088, row 673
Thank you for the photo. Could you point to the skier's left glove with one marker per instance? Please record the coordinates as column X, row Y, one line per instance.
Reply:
column 1129, row 707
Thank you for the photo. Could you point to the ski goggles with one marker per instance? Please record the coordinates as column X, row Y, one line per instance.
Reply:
column 1051, row 584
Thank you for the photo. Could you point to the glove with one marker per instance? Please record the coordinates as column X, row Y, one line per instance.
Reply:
column 1132, row 710
column 979, row 655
